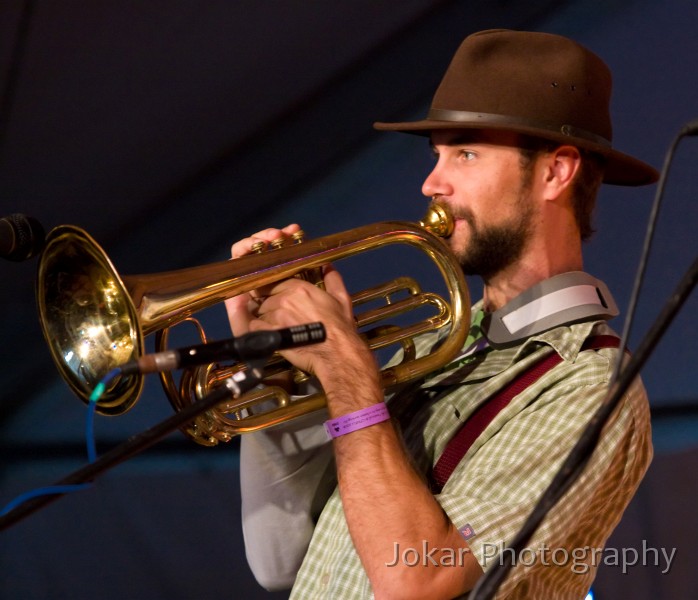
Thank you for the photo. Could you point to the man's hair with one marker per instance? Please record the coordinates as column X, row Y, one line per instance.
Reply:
column 586, row 183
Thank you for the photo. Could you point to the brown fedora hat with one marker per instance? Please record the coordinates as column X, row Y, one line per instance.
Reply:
column 539, row 84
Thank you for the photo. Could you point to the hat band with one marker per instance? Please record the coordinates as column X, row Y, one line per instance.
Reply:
column 463, row 116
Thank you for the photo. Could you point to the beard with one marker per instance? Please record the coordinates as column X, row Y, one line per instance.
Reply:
column 491, row 249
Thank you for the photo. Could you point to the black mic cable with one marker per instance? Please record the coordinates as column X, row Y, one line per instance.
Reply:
column 690, row 129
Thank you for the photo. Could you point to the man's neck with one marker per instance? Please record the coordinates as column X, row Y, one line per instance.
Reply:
column 507, row 284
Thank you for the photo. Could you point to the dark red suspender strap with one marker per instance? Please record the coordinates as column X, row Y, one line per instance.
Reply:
column 458, row 445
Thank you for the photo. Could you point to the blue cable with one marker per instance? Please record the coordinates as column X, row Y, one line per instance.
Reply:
column 91, row 409
column 44, row 491
column 91, row 450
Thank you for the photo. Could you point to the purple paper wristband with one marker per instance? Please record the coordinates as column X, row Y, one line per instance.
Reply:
column 357, row 420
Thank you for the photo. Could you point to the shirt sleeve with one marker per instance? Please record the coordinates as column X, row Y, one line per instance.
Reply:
column 286, row 476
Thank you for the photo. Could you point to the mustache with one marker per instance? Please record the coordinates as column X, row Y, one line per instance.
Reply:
column 460, row 212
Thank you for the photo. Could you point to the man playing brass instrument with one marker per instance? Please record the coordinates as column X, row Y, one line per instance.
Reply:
column 521, row 133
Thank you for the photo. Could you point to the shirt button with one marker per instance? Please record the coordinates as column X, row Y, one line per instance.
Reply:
column 325, row 579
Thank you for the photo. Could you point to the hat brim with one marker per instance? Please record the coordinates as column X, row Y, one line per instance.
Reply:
column 620, row 169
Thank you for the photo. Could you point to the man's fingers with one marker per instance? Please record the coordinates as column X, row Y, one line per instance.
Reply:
column 334, row 286
column 265, row 237
column 240, row 313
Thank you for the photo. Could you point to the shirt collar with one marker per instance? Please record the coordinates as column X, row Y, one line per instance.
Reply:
column 566, row 298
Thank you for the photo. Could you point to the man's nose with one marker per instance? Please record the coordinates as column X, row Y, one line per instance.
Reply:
column 436, row 183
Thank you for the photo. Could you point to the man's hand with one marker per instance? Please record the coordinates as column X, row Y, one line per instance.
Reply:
column 295, row 302
column 242, row 308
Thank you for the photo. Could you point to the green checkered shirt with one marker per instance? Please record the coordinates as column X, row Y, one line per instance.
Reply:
column 507, row 468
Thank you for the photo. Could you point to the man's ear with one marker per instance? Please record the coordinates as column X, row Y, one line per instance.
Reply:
column 561, row 167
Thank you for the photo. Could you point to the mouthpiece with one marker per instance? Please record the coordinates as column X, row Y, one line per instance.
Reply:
column 438, row 221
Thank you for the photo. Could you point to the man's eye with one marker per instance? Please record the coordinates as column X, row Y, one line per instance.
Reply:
column 467, row 154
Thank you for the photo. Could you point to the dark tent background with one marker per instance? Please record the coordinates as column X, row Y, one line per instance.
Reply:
column 170, row 129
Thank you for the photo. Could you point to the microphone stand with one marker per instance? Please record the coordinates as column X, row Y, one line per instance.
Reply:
column 583, row 449
column 246, row 380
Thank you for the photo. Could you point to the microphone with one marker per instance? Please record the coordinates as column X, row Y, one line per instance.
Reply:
column 690, row 128
column 251, row 346
column 21, row 237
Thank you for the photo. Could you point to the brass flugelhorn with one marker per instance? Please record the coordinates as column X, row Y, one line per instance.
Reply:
column 95, row 320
